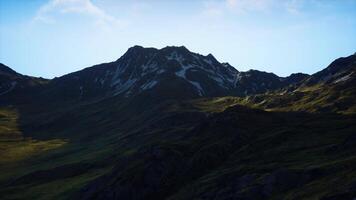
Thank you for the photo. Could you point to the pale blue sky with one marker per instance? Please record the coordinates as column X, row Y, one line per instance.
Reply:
column 50, row 38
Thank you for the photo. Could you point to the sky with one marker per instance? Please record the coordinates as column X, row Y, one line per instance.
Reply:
column 50, row 38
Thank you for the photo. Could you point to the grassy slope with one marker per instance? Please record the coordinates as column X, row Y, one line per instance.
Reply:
column 298, row 143
column 14, row 147
column 96, row 143
column 20, row 156
column 316, row 98
column 90, row 141
column 270, row 141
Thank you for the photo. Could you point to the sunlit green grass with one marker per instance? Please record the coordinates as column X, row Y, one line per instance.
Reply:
column 21, row 156
column 19, row 150
column 15, row 147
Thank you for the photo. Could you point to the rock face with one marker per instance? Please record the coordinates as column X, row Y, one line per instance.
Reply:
column 188, row 74
column 142, row 69
column 171, row 72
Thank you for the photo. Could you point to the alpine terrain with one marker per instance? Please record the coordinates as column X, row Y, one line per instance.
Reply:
column 176, row 125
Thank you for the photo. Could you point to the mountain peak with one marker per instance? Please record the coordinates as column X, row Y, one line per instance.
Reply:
column 142, row 68
column 176, row 72
column 136, row 50
column 181, row 48
column 210, row 56
column 177, row 50
column 171, row 72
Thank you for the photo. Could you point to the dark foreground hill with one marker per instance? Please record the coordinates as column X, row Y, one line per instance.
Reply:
column 172, row 124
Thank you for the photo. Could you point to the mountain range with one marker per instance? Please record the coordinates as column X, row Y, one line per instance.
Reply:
column 172, row 124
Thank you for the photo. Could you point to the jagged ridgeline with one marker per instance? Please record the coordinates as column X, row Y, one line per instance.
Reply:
column 172, row 124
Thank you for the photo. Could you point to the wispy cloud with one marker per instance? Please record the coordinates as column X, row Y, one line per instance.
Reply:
column 213, row 9
column 294, row 6
column 249, row 5
column 50, row 12
column 216, row 7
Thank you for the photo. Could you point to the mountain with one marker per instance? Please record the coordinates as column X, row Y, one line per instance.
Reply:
column 141, row 69
column 257, row 82
column 173, row 72
column 172, row 124
column 339, row 71
column 333, row 89
column 7, row 78
column 17, row 86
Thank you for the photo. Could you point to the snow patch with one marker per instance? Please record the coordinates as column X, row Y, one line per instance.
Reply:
column 219, row 80
column 238, row 78
column 181, row 73
column 124, row 87
column 198, row 87
column 149, row 85
column 119, row 70
column 208, row 61
column 344, row 78
column 175, row 56
column 161, row 71
column 153, row 67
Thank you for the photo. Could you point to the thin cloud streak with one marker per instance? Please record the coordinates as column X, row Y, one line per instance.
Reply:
column 249, row 5
column 53, row 10
column 217, row 8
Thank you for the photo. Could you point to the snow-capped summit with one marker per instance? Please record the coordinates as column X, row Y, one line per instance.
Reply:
column 170, row 72
column 141, row 69
column 176, row 68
